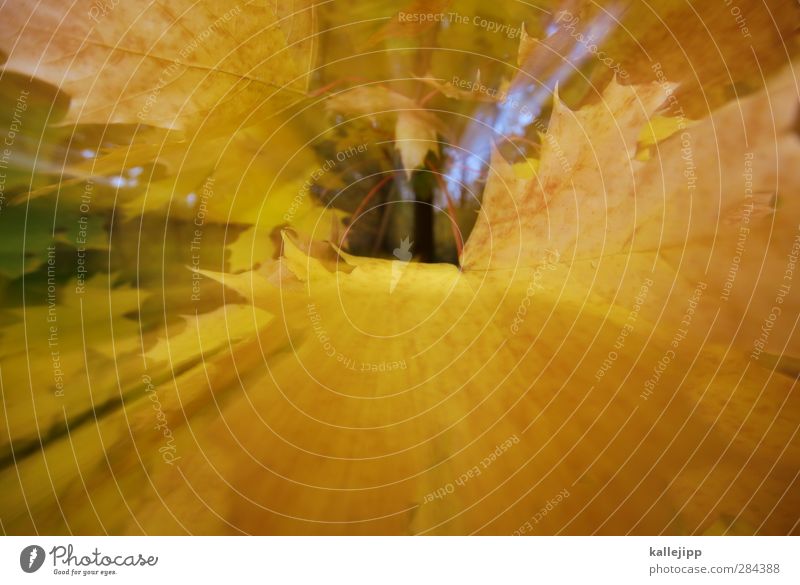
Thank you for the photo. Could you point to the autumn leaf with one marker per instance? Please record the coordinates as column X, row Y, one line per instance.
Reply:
column 205, row 352
column 501, row 321
column 415, row 129
column 180, row 66
column 617, row 221
column 57, row 349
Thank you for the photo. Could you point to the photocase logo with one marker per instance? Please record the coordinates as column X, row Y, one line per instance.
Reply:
column 31, row 558
column 403, row 255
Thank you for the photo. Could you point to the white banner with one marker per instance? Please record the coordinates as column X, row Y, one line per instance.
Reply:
column 401, row 560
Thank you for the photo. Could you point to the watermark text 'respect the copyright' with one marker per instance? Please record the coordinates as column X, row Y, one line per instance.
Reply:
column 449, row 18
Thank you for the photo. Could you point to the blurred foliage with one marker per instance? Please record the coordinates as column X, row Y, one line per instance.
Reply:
column 150, row 192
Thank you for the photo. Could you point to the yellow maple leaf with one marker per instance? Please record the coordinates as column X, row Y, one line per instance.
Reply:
column 615, row 354
column 415, row 128
column 171, row 66
column 485, row 359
